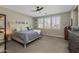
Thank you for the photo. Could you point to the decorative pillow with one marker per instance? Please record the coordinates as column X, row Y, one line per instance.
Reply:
column 17, row 29
column 28, row 28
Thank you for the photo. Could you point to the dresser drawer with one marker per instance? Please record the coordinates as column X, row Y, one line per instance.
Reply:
column 73, row 38
column 73, row 42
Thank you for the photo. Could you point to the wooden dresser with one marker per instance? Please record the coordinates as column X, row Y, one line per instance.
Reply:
column 66, row 32
column 73, row 38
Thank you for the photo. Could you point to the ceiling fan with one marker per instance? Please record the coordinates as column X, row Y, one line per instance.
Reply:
column 38, row 8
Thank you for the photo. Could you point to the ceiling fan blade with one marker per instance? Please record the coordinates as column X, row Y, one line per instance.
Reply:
column 38, row 9
column 41, row 8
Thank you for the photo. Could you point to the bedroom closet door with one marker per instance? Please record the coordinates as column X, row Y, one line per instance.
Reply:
column 2, row 32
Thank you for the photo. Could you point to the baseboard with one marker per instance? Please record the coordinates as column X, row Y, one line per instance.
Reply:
column 55, row 36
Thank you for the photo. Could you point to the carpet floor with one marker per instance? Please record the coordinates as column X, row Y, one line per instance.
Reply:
column 45, row 44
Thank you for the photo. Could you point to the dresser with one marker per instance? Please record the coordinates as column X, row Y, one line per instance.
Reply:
column 73, row 39
column 66, row 32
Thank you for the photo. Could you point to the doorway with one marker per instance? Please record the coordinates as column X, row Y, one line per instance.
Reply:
column 2, row 33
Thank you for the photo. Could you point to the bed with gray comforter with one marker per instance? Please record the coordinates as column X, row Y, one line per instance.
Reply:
column 26, row 36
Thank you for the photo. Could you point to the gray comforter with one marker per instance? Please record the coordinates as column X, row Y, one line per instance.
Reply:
column 27, row 35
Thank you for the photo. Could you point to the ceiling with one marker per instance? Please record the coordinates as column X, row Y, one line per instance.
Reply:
column 48, row 9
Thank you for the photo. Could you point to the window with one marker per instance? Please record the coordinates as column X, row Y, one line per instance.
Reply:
column 40, row 22
column 55, row 22
column 52, row 22
column 47, row 22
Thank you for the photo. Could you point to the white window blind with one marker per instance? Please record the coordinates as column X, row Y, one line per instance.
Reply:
column 47, row 22
column 55, row 22
column 52, row 22
column 40, row 22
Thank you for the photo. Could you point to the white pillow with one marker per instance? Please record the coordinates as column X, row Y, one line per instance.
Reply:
column 23, row 29
column 38, row 31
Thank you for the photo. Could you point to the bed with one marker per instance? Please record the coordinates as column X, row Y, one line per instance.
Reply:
column 26, row 36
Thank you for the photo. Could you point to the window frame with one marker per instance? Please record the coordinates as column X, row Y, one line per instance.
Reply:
column 50, row 17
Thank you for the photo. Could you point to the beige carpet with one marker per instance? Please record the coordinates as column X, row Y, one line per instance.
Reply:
column 43, row 45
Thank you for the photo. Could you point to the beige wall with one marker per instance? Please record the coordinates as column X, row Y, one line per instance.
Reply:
column 78, row 15
column 12, row 17
column 65, row 21
column 75, row 15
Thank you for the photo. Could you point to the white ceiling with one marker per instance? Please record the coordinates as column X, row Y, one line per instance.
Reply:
column 48, row 9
